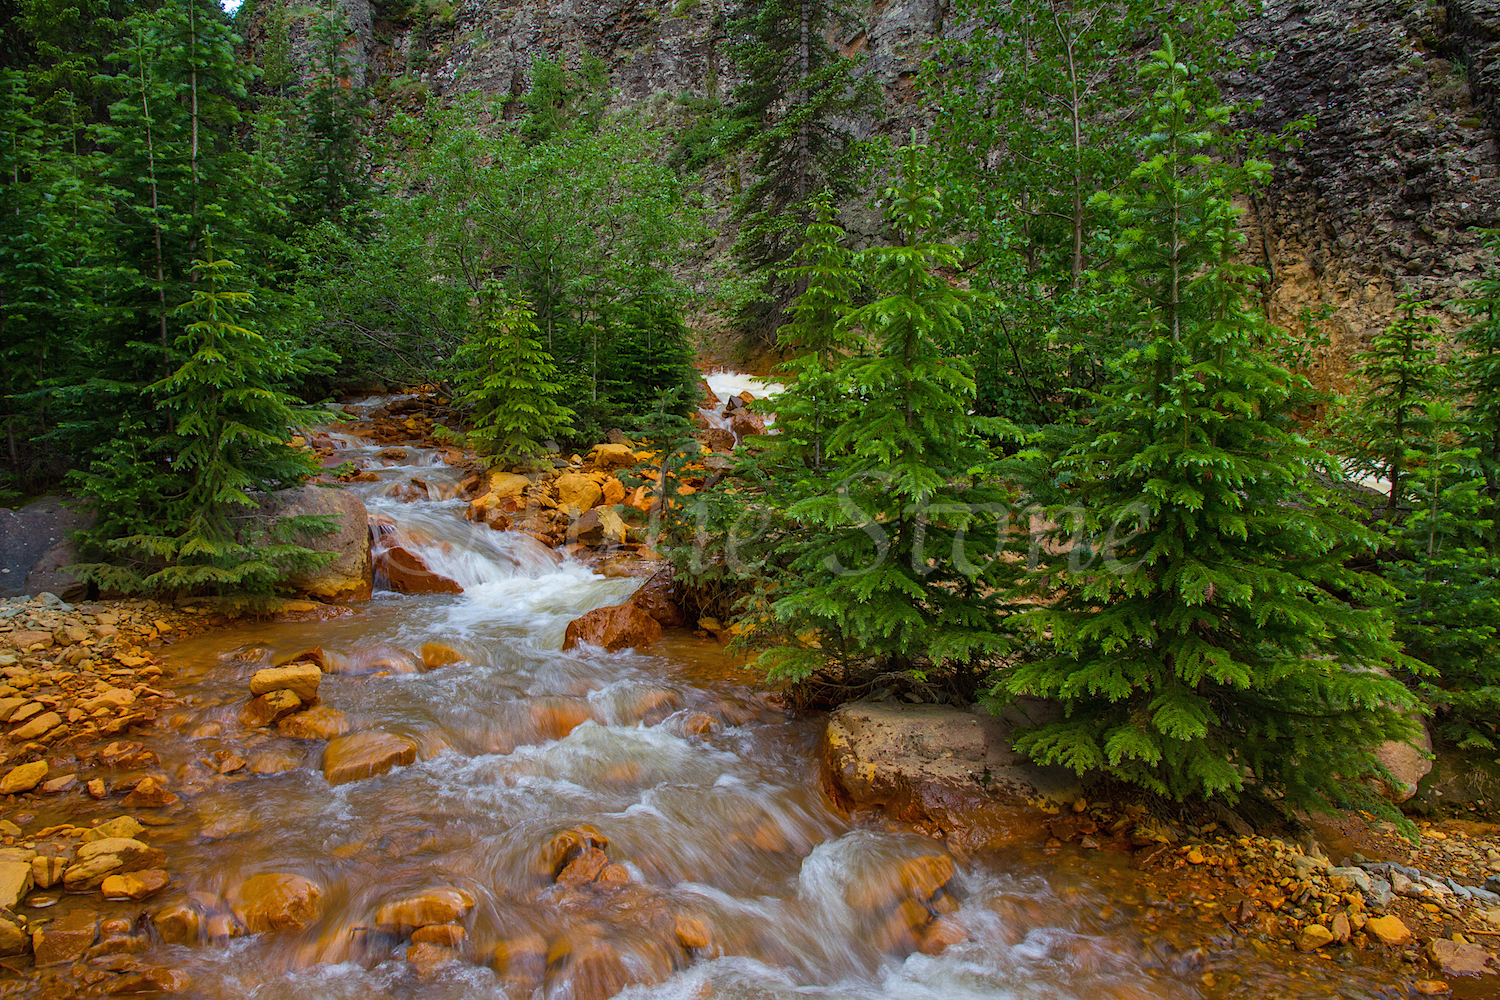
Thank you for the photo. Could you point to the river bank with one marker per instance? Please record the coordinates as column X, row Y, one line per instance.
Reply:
column 426, row 795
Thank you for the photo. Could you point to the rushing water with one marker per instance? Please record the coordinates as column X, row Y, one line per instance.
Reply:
column 728, row 825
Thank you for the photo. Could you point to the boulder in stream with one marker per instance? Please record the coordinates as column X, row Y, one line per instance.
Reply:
column 615, row 628
column 403, row 570
column 949, row 772
column 363, row 755
column 275, row 901
column 349, row 576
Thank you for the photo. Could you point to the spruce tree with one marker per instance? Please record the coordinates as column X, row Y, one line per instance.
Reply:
column 816, row 398
column 509, row 380
column 332, row 180
column 1210, row 646
column 193, row 526
column 795, row 114
column 895, row 549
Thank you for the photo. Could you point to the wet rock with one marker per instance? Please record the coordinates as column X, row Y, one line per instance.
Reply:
column 46, row 872
column 427, row 959
column 114, row 698
column 925, row 764
column 149, row 793
column 436, row 655
column 96, row 788
column 43, row 723
column 747, row 424
column 135, row 885
column 106, row 857
column 521, row 960
column 564, row 846
column 276, row 902
column 1460, row 959
column 178, row 924
column 349, row 576
column 1313, row 937
column 554, row 718
column 302, row 679
column 592, row 969
column 120, row 826
column 940, row 934
column 66, row 939
column 887, row 882
column 430, row 906
column 152, row 982
column 117, row 944
column 363, row 755
column 275, row 762
column 16, row 880
column 404, row 571
column 321, row 723
column 575, row 491
column 584, row 868
column 692, row 933
column 59, row 785
column 1388, row 930
column 13, row 940
column 613, row 629
column 609, row 457
column 325, row 660
column 445, row 935
column 265, row 709
column 23, row 778
column 507, row 484
column 658, row 598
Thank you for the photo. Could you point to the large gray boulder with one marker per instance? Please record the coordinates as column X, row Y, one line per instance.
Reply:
column 35, row 550
column 349, row 577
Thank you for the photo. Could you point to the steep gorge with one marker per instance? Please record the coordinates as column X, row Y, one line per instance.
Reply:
column 1390, row 189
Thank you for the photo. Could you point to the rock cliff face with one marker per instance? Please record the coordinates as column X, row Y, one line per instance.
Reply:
column 1389, row 190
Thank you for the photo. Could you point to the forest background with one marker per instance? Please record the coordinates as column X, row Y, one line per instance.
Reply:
column 1055, row 318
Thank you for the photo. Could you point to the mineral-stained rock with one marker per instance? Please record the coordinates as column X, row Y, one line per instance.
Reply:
column 1387, row 930
column 23, row 777
column 275, row 901
column 348, row 577
column 149, row 793
column 577, row 491
column 521, row 960
column 106, row 857
column 321, row 723
column 1313, row 937
column 658, row 598
column 178, row 924
column 262, row 710
column 66, row 939
column 13, row 940
column 302, row 679
column 426, row 959
column 362, row 755
column 609, row 457
column 16, row 880
column 134, row 885
column 446, row 935
column 1461, row 958
column 402, row 570
column 430, row 906
column 615, row 628
column 47, row 872
column 923, row 764
column 437, row 654
column 43, row 723
column 888, row 881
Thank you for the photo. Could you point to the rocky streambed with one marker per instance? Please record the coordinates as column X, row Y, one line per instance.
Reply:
column 518, row 771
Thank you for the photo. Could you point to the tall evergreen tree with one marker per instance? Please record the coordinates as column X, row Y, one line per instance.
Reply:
column 1214, row 650
column 191, row 526
column 895, row 550
column 795, row 114
column 510, row 381
column 332, row 181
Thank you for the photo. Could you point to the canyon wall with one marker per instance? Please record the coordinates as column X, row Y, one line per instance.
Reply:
column 1389, row 190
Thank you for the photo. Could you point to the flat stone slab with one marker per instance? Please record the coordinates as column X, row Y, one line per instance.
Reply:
column 363, row 755
column 950, row 773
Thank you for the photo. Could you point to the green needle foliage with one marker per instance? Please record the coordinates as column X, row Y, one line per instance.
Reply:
column 896, row 548
column 192, row 527
column 1213, row 650
column 510, row 381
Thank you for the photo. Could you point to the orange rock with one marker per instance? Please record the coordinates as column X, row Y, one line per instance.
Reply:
column 442, row 905
column 446, row 935
column 262, row 710
column 584, row 868
column 521, row 960
column 614, row 629
column 614, row 491
column 906, row 878
column 363, row 755
column 938, row 935
column 555, row 718
column 613, row 873
column 593, row 969
column 693, row 933
column 658, row 598
column 149, row 794
column 275, row 901
column 178, row 924
column 405, row 571
column 435, row 655
column 426, row 959
column 321, row 723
